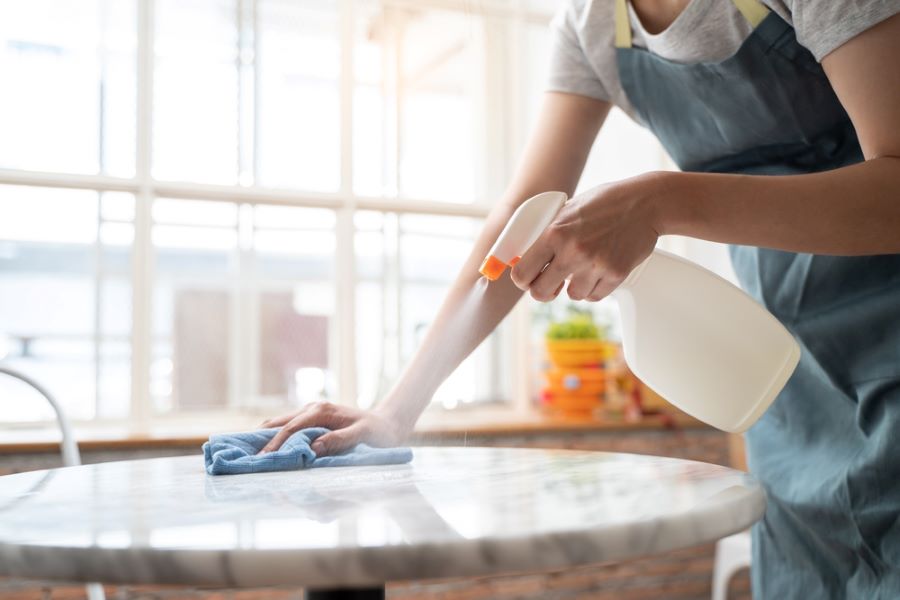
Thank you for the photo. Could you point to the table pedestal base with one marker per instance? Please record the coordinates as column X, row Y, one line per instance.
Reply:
column 346, row 594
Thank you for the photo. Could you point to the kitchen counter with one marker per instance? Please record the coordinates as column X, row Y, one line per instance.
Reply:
column 431, row 428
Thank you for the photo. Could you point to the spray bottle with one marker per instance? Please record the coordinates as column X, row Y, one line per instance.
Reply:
column 694, row 338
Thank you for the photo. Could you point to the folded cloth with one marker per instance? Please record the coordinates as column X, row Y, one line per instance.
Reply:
column 232, row 453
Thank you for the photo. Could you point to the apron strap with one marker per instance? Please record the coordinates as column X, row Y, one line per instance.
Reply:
column 753, row 10
column 623, row 25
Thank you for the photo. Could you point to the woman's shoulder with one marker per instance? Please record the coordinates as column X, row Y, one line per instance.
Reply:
column 586, row 20
column 824, row 25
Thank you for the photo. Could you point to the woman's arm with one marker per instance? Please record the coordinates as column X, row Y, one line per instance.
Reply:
column 553, row 160
column 602, row 234
column 852, row 210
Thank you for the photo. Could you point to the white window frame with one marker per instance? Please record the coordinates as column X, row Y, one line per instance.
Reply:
column 503, row 154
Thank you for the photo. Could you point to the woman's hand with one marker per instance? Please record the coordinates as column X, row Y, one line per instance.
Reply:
column 348, row 425
column 595, row 241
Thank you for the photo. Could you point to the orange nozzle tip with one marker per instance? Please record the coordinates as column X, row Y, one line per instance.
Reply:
column 492, row 267
column 514, row 261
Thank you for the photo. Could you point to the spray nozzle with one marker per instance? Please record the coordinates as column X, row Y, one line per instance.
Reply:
column 524, row 227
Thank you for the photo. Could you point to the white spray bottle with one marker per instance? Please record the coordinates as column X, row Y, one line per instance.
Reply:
column 694, row 338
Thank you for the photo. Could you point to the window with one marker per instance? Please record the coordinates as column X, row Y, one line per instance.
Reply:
column 405, row 263
column 68, row 72
column 234, row 206
column 242, row 305
column 65, row 298
column 196, row 77
column 213, row 207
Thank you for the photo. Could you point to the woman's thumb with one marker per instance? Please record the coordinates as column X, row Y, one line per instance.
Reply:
column 336, row 441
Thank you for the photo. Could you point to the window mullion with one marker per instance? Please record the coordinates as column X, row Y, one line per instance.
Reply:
column 98, row 307
column 345, row 314
column 392, row 66
column 345, row 268
column 246, row 66
column 256, row 90
column 519, row 342
column 346, row 20
column 142, row 252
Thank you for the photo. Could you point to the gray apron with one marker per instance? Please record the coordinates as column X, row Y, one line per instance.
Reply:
column 828, row 450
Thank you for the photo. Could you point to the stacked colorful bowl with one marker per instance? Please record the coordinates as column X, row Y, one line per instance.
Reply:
column 576, row 377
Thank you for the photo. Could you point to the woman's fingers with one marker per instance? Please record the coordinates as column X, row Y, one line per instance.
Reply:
column 582, row 284
column 546, row 265
column 280, row 438
column 603, row 288
column 549, row 282
column 320, row 414
column 593, row 285
column 338, row 440
column 278, row 421
column 531, row 265
column 348, row 426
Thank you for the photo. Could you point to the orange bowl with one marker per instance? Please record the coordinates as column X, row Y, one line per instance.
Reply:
column 590, row 380
column 574, row 403
column 579, row 353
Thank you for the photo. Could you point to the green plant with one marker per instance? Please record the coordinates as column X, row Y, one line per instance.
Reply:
column 579, row 325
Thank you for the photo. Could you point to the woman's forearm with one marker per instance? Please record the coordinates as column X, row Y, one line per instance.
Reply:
column 853, row 210
column 553, row 160
column 463, row 321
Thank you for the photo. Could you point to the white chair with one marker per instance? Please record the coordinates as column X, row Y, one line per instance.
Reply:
column 732, row 554
column 70, row 455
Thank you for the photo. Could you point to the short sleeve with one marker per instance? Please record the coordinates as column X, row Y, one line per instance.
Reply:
column 570, row 70
column 824, row 25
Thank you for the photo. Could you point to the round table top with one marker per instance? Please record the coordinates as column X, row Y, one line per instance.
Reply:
column 451, row 512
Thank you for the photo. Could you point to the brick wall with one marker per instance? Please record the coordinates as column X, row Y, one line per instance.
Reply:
column 681, row 575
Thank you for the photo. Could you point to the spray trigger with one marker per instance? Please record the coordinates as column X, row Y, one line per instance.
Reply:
column 523, row 228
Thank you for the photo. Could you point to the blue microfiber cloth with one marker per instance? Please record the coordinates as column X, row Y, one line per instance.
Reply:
column 232, row 453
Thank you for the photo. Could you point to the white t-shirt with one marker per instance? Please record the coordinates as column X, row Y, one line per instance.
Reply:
column 583, row 57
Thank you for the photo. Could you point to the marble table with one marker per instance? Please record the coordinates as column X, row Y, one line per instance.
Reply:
column 346, row 531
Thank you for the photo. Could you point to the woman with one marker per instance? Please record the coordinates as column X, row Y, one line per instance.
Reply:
column 784, row 116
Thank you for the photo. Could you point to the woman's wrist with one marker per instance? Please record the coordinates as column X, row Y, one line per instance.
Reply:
column 674, row 205
column 402, row 415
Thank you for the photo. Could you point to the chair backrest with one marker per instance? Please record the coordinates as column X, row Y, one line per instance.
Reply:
column 70, row 455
